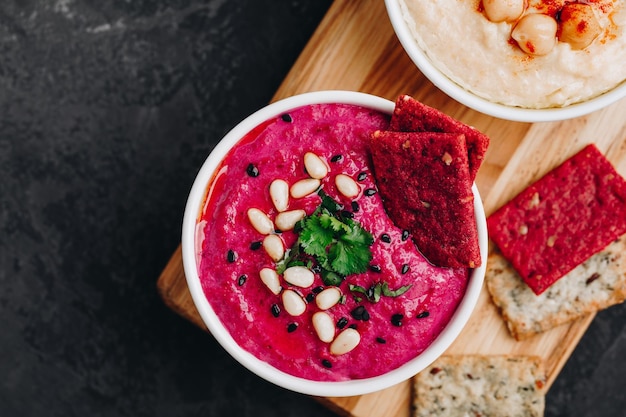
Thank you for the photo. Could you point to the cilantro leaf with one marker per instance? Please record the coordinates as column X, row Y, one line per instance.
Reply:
column 329, row 203
column 331, row 222
column 340, row 246
column 356, row 235
column 394, row 293
column 315, row 237
column 349, row 258
column 377, row 290
column 331, row 278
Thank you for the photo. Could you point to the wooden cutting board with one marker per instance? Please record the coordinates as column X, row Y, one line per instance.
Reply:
column 355, row 48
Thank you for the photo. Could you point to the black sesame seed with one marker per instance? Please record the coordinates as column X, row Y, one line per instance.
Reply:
column 381, row 340
column 361, row 176
column 252, row 170
column 375, row 268
column 316, row 269
column 405, row 235
column 256, row 245
column 231, row 256
column 291, row 327
column 370, row 192
column 310, row 297
column 317, row 289
column 396, row 319
column 242, row 279
column 360, row 313
column 353, row 326
column 355, row 206
column 385, row 238
column 423, row 315
column 286, row 118
column 275, row 310
column 336, row 158
column 405, row 268
column 342, row 322
column 326, row 363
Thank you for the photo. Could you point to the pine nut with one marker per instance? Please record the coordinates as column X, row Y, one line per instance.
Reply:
column 324, row 326
column 260, row 221
column 269, row 277
column 345, row 342
column 328, row 298
column 279, row 192
column 274, row 247
column 347, row 186
column 299, row 276
column 315, row 166
column 304, row 187
column 288, row 219
column 293, row 303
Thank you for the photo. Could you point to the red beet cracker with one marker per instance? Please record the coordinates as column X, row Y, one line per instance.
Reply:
column 424, row 181
column 571, row 213
column 412, row 116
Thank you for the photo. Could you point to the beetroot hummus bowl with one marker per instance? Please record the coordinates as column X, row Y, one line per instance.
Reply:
column 303, row 260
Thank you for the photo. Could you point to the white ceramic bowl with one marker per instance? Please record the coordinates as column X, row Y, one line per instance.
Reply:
column 262, row 369
column 463, row 96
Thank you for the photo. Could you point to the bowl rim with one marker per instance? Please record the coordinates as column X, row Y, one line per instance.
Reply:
column 471, row 100
column 260, row 368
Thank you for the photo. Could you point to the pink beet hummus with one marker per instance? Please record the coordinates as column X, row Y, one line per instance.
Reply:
column 397, row 329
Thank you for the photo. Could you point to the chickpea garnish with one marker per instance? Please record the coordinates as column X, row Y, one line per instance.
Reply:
column 535, row 33
column 503, row 10
column 578, row 25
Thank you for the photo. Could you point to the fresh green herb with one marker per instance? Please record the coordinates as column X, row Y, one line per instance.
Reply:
column 329, row 203
column 377, row 290
column 394, row 293
column 339, row 245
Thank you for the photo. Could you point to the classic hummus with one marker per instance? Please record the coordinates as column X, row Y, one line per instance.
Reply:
column 396, row 307
column 481, row 56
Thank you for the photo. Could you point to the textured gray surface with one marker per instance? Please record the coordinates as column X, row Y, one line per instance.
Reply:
column 107, row 110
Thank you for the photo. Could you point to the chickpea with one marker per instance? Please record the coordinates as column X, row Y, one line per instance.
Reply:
column 503, row 10
column 535, row 33
column 579, row 26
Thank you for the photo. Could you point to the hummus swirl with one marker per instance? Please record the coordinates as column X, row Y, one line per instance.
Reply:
column 480, row 56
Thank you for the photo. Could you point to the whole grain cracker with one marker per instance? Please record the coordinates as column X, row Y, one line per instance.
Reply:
column 480, row 385
column 596, row 284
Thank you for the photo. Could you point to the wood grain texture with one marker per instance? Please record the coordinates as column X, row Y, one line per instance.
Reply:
column 355, row 48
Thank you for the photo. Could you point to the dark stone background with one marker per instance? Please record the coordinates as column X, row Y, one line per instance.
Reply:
column 107, row 110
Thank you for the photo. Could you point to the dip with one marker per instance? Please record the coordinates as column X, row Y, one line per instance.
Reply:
column 393, row 329
column 480, row 55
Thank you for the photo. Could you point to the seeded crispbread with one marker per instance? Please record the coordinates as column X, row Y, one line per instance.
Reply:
column 597, row 283
column 411, row 115
column 480, row 385
column 424, row 181
column 558, row 222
